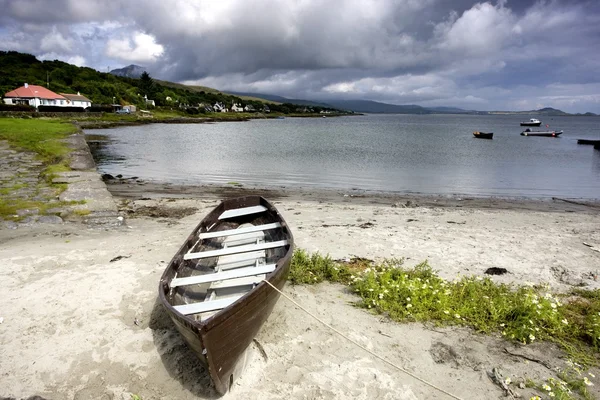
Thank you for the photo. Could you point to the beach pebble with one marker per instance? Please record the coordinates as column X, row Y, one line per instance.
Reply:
column 293, row 374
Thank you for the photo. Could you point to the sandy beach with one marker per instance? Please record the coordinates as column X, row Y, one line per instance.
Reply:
column 80, row 319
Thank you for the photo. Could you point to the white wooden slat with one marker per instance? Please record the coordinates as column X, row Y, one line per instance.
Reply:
column 238, row 212
column 219, row 276
column 229, row 283
column 205, row 306
column 235, row 250
column 245, row 238
column 239, row 231
column 240, row 260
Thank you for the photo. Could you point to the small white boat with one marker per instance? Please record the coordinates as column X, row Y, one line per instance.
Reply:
column 532, row 122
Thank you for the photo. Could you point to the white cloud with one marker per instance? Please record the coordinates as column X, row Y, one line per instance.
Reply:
column 76, row 60
column 56, row 42
column 141, row 48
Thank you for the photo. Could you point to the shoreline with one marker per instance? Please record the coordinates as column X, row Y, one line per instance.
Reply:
column 129, row 189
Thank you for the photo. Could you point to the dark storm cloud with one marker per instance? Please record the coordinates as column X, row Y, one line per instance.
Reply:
column 430, row 52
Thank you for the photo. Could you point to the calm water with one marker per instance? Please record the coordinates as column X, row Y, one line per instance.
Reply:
column 434, row 154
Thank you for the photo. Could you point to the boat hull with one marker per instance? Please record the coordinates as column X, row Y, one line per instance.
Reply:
column 531, row 123
column 543, row 134
column 221, row 340
column 589, row 141
column 483, row 135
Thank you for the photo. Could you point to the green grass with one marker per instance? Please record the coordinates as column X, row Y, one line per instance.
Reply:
column 524, row 313
column 42, row 136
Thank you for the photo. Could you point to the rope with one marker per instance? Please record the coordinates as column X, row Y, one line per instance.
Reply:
column 362, row 347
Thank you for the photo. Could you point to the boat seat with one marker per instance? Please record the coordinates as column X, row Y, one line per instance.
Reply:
column 206, row 306
column 245, row 281
column 224, row 275
column 238, row 212
column 239, row 231
column 235, row 250
column 244, row 238
column 240, row 260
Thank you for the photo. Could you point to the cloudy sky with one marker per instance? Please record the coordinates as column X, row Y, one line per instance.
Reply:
column 498, row 55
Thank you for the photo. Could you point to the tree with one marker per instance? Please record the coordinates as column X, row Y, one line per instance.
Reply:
column 146, row 85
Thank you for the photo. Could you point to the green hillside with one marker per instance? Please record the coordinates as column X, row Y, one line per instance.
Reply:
column 16, row 69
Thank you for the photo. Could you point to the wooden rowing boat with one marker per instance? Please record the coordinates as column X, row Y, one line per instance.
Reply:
column 213, row 288
column 483, row 135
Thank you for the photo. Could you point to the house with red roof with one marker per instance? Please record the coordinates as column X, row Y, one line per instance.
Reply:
column 36, row 96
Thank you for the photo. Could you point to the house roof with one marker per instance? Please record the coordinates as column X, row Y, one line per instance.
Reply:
column 75, row 97
column 34, row 91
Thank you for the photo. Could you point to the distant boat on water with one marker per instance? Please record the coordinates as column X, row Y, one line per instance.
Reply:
column 589, row 141
column 529, row 132
column 532, row 122
column 483, row 135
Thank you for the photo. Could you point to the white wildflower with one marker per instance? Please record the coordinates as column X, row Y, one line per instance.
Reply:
column 546, row 387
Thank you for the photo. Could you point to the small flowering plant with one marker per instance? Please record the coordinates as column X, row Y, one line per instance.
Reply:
column 419, row 294
column 525, row 313
column 573, row 383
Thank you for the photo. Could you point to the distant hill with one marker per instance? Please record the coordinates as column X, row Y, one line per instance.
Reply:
column 367, row 106
column 279, row 99
column 451, row 110
column 17, row 69
column 360, row 106
column 130, row 71
column 541, row 111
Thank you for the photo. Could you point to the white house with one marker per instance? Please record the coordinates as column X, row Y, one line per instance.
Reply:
column 249, row 108
column 218, row 107
column 237, row 108
column 149, row 102
column 35, row 96
column 77, row 100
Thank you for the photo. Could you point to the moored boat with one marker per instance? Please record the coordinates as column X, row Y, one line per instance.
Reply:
column 214, row 290
column 532, row 122
column 529, row 132
column 588, row 141
column 483, row 135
